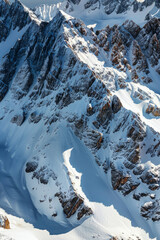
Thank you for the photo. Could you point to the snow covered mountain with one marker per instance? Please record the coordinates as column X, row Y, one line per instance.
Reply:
column 117, row 6
column 101, row 13
column 80, row 123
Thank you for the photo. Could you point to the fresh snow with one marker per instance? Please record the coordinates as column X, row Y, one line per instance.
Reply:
column 96, row 17
column 60, row 150
column 105, row 203
column 21, row 230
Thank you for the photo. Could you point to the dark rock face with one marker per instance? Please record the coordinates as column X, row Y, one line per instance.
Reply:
column 139, row 59
column 149, row 38
column 43, row 174
column 116, row 104
column 4, row 8
column 73, row 205
column 90, row 3
column 142, row 42
column 105, row 113
column 151, row 210
column 34, row 117
column 4, row 222
column 3, row 31
column 76, row 2
column 132, row 28
column 18, row 119
column 31, row 166
column 154, row 50
column 153, row 109
column 119, row 6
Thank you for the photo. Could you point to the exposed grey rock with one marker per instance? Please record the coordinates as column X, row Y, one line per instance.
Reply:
column 90, row 3
column 31, row 166
column 139, row 59
column 43, row 174
column 116, row 104
column 105, row 113
column 116, row 6
column 34, row 117
column 4, row 222
column 18, row 119
column 151, row 210
column 132, row 28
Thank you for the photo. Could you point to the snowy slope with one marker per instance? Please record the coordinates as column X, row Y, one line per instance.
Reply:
column 95, row 15
column 80, row 127
column 106, row 221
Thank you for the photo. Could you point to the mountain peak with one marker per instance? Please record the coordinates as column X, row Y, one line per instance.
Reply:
column 100, row 12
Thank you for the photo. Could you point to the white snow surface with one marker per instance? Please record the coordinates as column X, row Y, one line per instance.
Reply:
column 61, row 150
column 95, row 17
column 68, row 150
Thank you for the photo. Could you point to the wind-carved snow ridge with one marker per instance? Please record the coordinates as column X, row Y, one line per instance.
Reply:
column 79, row 120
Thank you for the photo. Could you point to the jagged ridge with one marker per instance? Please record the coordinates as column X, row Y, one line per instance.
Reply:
column 51, row 72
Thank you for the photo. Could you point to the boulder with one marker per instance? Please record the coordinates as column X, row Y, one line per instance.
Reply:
column 138, row 58
column 75, row 204
column 151, row 210
column 116, row 104
column 105, row 113
column 4, row 222
column 31, row 166
column 18, row 119
column 153, row 109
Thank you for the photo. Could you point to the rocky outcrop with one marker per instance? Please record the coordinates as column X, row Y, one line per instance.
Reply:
column 74, row 205
column 4, row 222
column 18, row 119
column 116, row 104
column 132, row 28
column 151, row 210
column 143, row 43
column 105, row 113
column 116, row 6
column 4, row 7
column 149, row 40
column 139, row 59
column 15, row 15
column 49, row 76
column 31, row 166
column 153, row 109
column 154, row 50
column 43, row 174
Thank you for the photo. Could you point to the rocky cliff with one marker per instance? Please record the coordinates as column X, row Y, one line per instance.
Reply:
column 118, row 6
column 62, row 81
